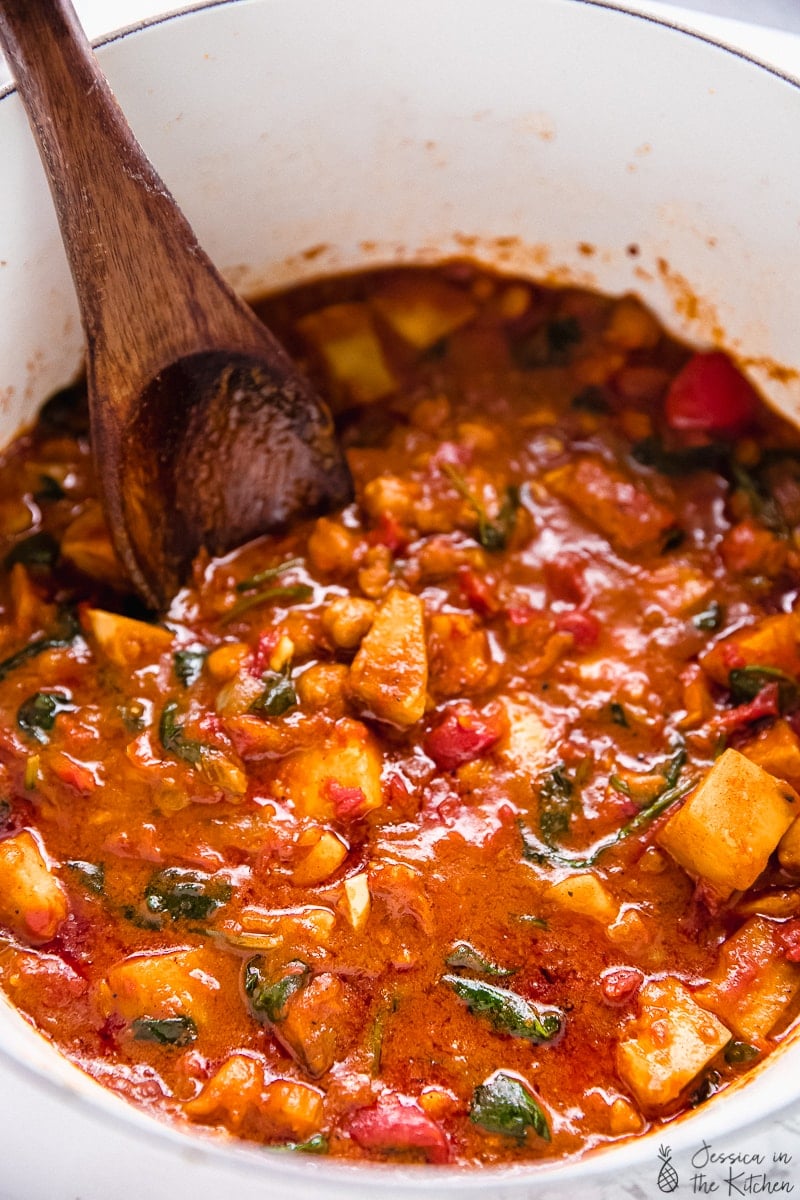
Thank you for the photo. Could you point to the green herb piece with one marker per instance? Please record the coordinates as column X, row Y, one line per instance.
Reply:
column 550, row 345
column 740, row 1052
column 39, row 550
column 556, row 804
column 591, row 400
column 618, row 715
column 673, row 791
column 620, row 785
column 505, row 1105
column 493, row 534
column 92, row 875
column 255, row 581
column 763, row 504
column 188, row 665
column 165, row 1031
column 63, row 635
column 506, row 1011
column 172, row 737
column 268, row 995
column 745, row 684
column 316, row 1144
column 683, row 460
column 37, row 715
column 49, row 490
column 277, row 698
column 464, row 956
column 295, row 591
column 185, row 895
column 709, row 1085
column 710, row 619
column 531, row 919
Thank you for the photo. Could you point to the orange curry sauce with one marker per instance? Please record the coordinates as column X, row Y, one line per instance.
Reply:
column 459, row 825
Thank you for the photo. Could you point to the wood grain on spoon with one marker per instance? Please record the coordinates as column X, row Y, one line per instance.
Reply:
column 204, row 431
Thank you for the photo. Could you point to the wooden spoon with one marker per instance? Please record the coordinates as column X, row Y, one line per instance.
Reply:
column 204, row 431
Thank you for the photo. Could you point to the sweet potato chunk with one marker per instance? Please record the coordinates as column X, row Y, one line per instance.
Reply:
column 294, row 1109
column 459, row 655
column 773, row 642
column 671, row 1041
column 232, row 1093
column 777, row 750
column 340, row 777
column 175, row 983
column 345, row 338
column 389, row 675
column 317, row 1027
column 33, row 902
column 526, row 747
column 731, row 823
column 423, row 311
column 620, row 508
column 585, row 895
column 124, row 641
column 753, row 983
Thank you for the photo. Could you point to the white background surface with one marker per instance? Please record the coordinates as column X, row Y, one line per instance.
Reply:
column 772, row 35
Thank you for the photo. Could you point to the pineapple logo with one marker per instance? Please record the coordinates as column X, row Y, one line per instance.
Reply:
column 667, row 1176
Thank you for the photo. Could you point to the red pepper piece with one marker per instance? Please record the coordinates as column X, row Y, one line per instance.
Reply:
column 463, row 735
column 584, row 627
column 267, row 644
column 395, row 1123
column 478, row 591
column 765, row 704
column 348, row 802
column 711, row 395
column 789, row 939
column 389, row 533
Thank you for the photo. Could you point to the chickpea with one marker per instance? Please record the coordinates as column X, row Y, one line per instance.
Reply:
column 389, row 494
column 331, row 547
column 347, row 619
column 631, row 326
column 324, row 685
column 376, row 572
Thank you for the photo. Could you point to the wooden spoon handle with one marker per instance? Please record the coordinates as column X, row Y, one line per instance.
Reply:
column 107, row 194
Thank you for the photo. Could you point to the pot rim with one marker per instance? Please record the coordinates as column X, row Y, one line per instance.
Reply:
column 357, row 1177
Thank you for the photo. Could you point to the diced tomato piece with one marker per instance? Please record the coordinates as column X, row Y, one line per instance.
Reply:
column 348, row 802
column 463, row 735
column 478, row 591
column 267, row 644
column 711, row 395
column 75, row 774
column 788, row 936
column 396, row 1123
column 765, row 704
column 621, row 984
column 389, row 533
column 584, row 627
column 564, row 577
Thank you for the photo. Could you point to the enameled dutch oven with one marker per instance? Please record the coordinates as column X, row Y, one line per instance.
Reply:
column 559, row 138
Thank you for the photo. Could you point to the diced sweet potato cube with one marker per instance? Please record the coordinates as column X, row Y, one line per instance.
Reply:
column 33, row 902
column 293, row 1108
column 345, row 767
column 585, row 895
column 620, row 508
column 459, row 656
column 318, row 1024
column 344, row 335
column 671, row 1042
column 169, row 984
column 526, row 748
column 753, row 983
column 789, row 848
column 124, row 641
column 773, row 642
column 423, row 311
column 777, row 750
column 731, row 823
column 87, row 544
column 389, row 675
column 232, row 1093
column 356, row 901
column 325, row 856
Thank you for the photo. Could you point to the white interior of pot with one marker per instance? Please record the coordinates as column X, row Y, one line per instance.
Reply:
column 552, row 137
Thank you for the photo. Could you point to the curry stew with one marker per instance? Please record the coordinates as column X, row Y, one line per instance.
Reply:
column 459, row 826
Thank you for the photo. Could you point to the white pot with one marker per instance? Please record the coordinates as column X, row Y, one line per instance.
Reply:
column 554, row 137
